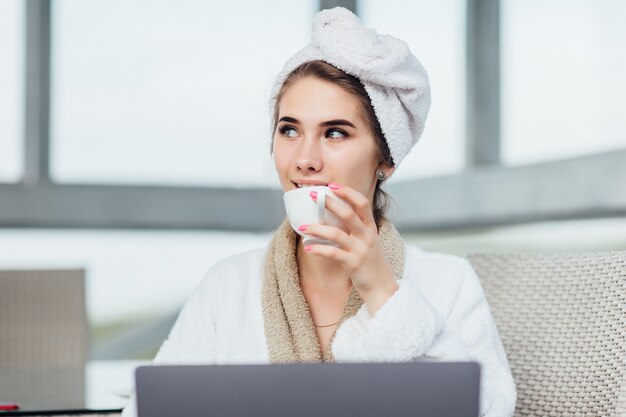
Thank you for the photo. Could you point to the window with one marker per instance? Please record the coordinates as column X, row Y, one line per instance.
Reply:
column 123, row 279
column 434, row 32
column 12, row 90
column 563, row 84
column 168, row 92
column 588, row 235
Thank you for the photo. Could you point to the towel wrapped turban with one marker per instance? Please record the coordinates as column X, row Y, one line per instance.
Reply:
column 394, row 79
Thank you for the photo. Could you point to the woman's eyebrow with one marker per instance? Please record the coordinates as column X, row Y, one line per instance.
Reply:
column 289, row 120
column 335, row 122
column 338, row 122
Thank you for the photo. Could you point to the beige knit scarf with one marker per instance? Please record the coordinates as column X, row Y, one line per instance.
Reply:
column 289, row 328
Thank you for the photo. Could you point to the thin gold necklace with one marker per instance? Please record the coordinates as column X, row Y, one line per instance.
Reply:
column 328, row 325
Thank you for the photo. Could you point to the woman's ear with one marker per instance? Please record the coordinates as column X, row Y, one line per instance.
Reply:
column 386, row 169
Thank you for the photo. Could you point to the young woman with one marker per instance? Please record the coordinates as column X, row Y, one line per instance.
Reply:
column 345, row 110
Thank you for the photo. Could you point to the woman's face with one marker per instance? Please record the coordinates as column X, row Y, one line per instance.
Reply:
column 322, row 137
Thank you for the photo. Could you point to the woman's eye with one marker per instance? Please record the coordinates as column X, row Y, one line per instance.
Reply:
column 336, row 134
column 288, row 131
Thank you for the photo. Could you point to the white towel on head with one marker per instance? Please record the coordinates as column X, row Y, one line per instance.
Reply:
column 394, row 79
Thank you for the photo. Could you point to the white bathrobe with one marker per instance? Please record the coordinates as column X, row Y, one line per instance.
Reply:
column 439, row 312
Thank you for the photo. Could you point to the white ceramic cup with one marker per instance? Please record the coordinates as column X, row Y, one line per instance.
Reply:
column 301, row 209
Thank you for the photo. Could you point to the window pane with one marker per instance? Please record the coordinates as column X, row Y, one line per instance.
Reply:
column 434, row 31
column 11, row 90
column 563, row 84
column 124, row 281
column 168, row 91
column 589, row 235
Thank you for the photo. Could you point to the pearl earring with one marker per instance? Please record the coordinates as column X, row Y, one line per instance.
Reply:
column 380, row 174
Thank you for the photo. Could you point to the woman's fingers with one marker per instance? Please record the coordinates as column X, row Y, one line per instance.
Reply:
column 346, row 214
column 334, row 234
column 359, row 203
column 332, row 252
column 351, row 207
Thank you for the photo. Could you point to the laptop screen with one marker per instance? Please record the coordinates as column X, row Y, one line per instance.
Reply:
column 431, row 389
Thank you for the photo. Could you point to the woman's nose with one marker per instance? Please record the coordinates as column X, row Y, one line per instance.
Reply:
column 309, row 164
column 309, row 159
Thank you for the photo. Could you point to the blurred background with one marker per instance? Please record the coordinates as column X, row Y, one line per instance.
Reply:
column 134, row 138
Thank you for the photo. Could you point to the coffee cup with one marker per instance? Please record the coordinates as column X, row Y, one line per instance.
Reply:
column 302, row 209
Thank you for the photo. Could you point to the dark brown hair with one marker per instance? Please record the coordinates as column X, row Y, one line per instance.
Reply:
column 324, row 71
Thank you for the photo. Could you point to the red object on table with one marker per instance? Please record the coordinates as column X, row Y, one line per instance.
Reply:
column 9, row 406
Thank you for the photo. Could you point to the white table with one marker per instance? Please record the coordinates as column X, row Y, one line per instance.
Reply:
column 105, row 386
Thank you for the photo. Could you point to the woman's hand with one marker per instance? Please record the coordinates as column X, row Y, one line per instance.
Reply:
column 359, row 252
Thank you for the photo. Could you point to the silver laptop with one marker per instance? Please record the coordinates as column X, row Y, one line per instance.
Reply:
column 429, row 389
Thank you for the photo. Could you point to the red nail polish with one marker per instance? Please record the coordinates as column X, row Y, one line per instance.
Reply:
column 303, row 227
column 334, row 186
column 308, row 248
column 313, row 195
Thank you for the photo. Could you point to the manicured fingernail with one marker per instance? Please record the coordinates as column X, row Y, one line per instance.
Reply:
column 334, row 186
column 303, row 227
column 313, row 195
column 308, row 248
